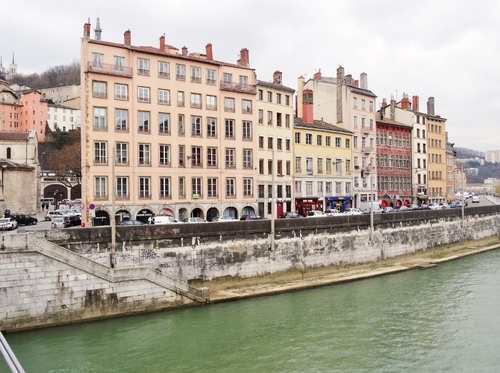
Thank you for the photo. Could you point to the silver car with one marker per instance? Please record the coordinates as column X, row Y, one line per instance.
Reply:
column 58, row 222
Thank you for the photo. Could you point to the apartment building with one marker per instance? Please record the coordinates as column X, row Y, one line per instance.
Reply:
column 349, row 104
column 450, row 169
column 62, row 94
column 166, row 132
column 63, row 118
column 275, row 156
column 436, row 141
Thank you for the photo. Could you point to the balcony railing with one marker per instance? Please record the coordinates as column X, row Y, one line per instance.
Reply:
column 110, row 69
column 237, row 87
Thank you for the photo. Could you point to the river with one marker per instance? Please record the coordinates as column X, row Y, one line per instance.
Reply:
column 442, row 319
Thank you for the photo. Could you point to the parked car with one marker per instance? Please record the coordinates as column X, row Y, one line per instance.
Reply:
column 131, row 222
column 424, row 207
column 8, row 224
column 333, row 212
column 159, row 220
column 475, row 199
column 53, row 214
column 223, row 218
column 251, row 217
column 388, row 209
column 58, row 222
column 315, row 213
column 403, row 209
column 352, row 211
column 23, row 219
column 290, row 215
column 436, row 206
column 194, row 220
column 72, row 220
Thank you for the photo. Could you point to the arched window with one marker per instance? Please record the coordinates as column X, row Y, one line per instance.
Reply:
column 9, row 153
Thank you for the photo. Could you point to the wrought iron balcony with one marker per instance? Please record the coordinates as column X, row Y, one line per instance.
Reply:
column 109, row 69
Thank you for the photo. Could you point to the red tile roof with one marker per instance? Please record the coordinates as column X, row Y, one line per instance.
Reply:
column 14, row 135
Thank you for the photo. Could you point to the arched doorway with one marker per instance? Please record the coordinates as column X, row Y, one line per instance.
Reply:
column 101, row 218
column 57, row 191
column 166, row 212
column 248, row 210
column 231, row 211
column 122, row 215
column 212, row 213
column 183, row 214
column 143, row 215
column 197, row 213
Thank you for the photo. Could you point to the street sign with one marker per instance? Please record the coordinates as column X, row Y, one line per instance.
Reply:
column 91, row 206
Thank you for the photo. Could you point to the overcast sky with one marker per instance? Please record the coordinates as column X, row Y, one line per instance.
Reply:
column 449, row 50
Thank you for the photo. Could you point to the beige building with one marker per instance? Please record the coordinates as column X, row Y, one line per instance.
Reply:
column 274, row 132
column 437, row 166
column 179, row 128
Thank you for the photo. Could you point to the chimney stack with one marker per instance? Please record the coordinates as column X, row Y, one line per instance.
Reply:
column 86, row 30
column 405, row 102
column 208, row 52
column 356, row 83
column 308, row 106
column 127, row 38
column 364, row 81
column 430, row 106
column 244, row 58
column 162, row 43
column 299, row 98
column 277, row 77
column 384, row 102
column 393, row 109
column 317, row 76
column 340, row 83
column 184, row 51
column 414, row 104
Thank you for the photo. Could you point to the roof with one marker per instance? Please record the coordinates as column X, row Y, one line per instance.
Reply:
column 157, row 51
column 275, row 86
column 16, row 135
column 386, row 120
column 320, row 125
column 9, row 165
column 361, row 91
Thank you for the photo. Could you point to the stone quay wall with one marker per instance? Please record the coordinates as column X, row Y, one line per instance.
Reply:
column 62, row 276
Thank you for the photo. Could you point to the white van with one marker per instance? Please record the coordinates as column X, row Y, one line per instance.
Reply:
column 165, row 220
column 48, row 201
column 365, row 206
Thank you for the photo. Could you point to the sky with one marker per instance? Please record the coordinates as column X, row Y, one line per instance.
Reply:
column 449, row 50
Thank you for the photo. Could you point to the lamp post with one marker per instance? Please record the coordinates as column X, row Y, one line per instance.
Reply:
column 4, row 166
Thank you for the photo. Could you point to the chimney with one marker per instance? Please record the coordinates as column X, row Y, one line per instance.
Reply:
column 86, row 30
column 414, row 103
column 208, row 52
column 405, row 102
column 317, row 76
column 340, row 83
column 430, row 106
column 299, row 98
column 393, row 109
column 127, row 38
column 162, row 43
column 384, row 102
column 307, row 106
column 277, row 77
column 244, row 58
column 356, row 83
column 364, row 81
column 184, row 51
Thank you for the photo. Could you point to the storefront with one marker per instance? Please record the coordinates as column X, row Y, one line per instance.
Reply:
column 303, row 205
column 339, row 203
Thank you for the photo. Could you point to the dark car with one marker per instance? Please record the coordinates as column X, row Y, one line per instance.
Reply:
column 23, row 219
column 131, row 222
column 251, row 217
column 72, row 220
column 290, row 215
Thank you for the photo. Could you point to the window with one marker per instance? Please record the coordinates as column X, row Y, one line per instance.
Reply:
column 122, row 187
column 195, row 74
column 164, row 96
column 269, row 142
column 164, row 155
column 328, row 165
column 100, row 152
column 196, row 156
column 319, row 140
column 211, row 76
column 230, row 161
column 355, row 122
column 309, row 138
column 261, row 167
column 338, row 167
column 270, row 166
column 142, row 66
column 338, row 142
column 269, row 118
column 230, row 187
column 182, row 187
column 100, row 118
column 143, row 94
column 196, row 187
column 363, row 104
column 247, row 130
column 297, row 138
column 247, row 187
column 212, row 187
column 261, row 116
column 180, row 99
column 278, row 98
column 279, row 143
column 163, row 69
column 278, row 120
column 165, row 191
column 288, row 167
column 355, row 138
column 144, row 187
column 164, row 123
column 229, row 104
column 269, row 96
column 143, row 121
column 355, row 102
column 180, row 72
column 363, row 122
column 228, row 78
column 298, row 164
column 298, row 187
column 287, row 120
column 371, row 105
column 121, row 92
column 347, row 143
column 229, row 129
column 180, row 124
column 97, row 59
column 309, row 188
column 99, row 89
column 261, row 142
column 287, row 145
column 100, row 187
column 121, row 119
column 247, row 158
column 243, row 80
column 211, row 102
column 144, row 154
column 211, row 127
column 181, row 156
column 196, row 100
column 211, row 157
column 320, row 165
column 195, row 126
column 121, row 150
column 309, row 166
column 328, row 140
column 261, row 95
column 347, row 166
column 246, row 106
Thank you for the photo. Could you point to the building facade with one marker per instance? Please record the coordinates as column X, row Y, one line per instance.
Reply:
column 436, row 141
column 63, row 118
column 166, row 132
column 275, row 114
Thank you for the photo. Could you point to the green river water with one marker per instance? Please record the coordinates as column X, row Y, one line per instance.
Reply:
column 443, row 319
